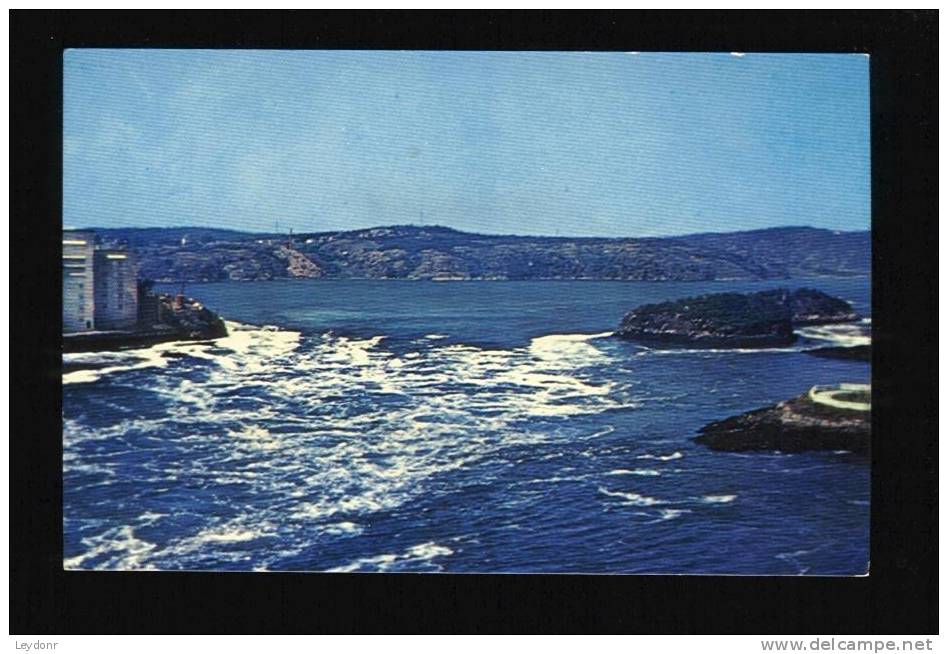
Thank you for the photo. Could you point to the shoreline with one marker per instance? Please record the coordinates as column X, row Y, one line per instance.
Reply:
column 736, row 280
column 119, row 341
column 187, row 320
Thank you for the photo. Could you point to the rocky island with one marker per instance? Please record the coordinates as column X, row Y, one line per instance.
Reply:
column 762, row 319
column 822, row 419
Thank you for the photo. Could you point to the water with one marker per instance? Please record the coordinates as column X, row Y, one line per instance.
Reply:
column 459, row 427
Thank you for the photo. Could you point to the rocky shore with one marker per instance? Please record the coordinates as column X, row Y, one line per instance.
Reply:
column 174, row 319
column 763, row 319
column 796, row 425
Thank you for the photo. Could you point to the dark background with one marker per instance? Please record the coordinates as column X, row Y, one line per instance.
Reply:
column 899, row 595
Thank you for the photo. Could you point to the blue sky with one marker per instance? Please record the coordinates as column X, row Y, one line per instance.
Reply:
column 586, row 144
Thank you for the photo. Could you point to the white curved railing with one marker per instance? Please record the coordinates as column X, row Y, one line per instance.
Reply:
column 826, row 395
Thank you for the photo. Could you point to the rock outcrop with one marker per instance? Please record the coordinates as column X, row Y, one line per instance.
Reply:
column 173, row 320
column 297, row 264
column 763, row 319
column 190, row 319
column 811, row 307
column 851, row 353
column 795, row 425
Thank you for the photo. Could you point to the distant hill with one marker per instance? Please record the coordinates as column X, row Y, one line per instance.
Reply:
column 136, row 237
column 196, row 254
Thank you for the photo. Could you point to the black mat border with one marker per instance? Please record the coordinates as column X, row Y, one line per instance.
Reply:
column 899, row 596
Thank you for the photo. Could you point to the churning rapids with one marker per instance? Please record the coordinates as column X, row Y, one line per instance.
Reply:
column 460, row 427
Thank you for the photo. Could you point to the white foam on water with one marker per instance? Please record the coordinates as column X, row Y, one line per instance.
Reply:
column 555, row 480
column 149, row 517
column 356, row 352
column 125, row 361
column 83, row 376
column 72, row 463
column 603, row 432
column 632, row 499
column 429, row 551
column 254, row 343
column 122, row 549
column 659, row 457
column 313, row 511
column 344, row 527
column 793, row 558
column 422, row 554
column 225, row 535
column 638, row 471
column 373, row 563
column 670, row 514
column 75, row 432
column 250, row 339
column 305, row 429
column 229, row 540
column 568, row 348
column 843, row 334
column 718, row 499
column 255, row 436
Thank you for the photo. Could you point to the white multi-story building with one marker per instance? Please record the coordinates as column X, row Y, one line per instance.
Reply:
column 78, row 281
column 116, row 289
column 100, row 286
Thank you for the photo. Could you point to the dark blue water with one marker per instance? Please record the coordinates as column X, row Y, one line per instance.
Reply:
column 461, row 427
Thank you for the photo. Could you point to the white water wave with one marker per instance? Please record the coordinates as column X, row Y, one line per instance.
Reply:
column 718, row 499
column 417, row 555
column 661, row 457
column 305, row 428
column 120, row 547
column 256, row 345
column 255, row 436
column 568, row 349
column 669, row 514
column 638, row 471
column 122, row 361
column 843, row 335
column 794, row 559
column 343, row 528
column 632, row 499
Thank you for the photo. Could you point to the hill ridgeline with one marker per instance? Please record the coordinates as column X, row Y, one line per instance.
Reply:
column 193, row 254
